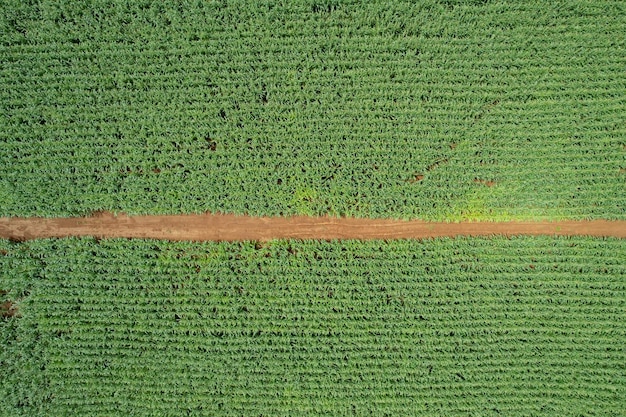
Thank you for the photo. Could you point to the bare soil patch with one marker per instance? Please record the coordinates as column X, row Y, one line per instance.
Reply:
column 226, row 227
column 488, row 183
column 8, row 309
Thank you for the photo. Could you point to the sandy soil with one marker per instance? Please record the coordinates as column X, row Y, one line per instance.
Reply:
column 206, row 227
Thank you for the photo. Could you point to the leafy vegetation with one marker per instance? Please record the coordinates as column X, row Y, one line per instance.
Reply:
column 519, row 326
column 430, row 109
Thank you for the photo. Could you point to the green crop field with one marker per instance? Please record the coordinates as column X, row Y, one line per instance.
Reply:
column 436, row 109
column 443, row 110
column 486, row 327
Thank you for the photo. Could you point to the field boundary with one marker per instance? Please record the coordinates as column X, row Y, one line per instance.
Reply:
column 227, row 227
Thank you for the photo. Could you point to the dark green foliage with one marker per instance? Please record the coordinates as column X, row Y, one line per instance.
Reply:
column 24, row 384
column 375, row 109
column 520, row 326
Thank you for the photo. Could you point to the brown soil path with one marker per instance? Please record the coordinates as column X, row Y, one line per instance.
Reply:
column 206, row 227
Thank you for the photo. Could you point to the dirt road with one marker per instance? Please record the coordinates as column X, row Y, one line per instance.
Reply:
column 229, row 227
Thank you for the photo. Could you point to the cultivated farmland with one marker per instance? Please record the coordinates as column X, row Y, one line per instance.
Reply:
column 520, row 326
column 437, row 110
column 440, row 110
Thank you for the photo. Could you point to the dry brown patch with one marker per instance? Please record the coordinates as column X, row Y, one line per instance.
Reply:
column 488, row 183
column 415, row 178
column 8, row 309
